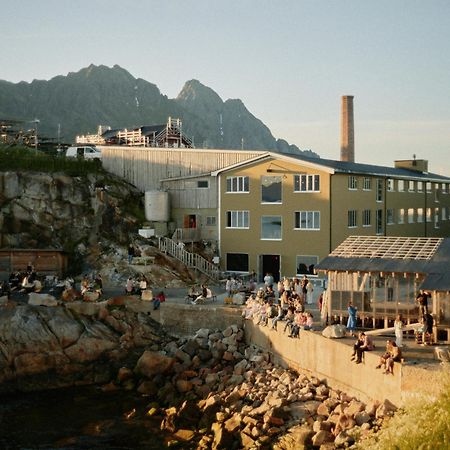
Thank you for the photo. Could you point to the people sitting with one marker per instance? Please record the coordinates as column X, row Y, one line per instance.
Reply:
column 202, row 297
column 363, row 344
column 392, row 354
column 158, row 299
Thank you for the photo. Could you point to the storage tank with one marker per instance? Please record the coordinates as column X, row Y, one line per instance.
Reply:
column 157, row 206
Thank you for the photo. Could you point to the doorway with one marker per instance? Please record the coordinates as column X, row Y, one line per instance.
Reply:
column 190, row 221
column 270, row 264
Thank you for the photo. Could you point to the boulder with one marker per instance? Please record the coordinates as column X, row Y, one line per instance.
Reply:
column 334, row 331
column 385, row 409
column 41, row 299
column 322, row 437
column 153, row 363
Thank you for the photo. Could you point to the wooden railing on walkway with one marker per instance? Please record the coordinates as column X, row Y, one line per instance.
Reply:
column 190, row 260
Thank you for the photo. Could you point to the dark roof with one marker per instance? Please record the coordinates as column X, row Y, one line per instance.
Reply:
column 150, row 129
column 436, row 269
column 369, row 169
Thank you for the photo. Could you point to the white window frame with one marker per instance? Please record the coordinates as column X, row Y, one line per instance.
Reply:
column 411, row 186
column 306, row 183
column 401, row 185
column 419, row 185
column 401, row 216
column 390, row 185
column 309, row 217
column 443, row 213
column 429, row 217
column 352, row 183
column 367, row 184
column 211, row 221
column 352, row 218
column 436, row 218
column 367, row 218
column 379, row 193
column 239, row 220
column 202, row 181
column 278, row 202
column 410, row 214
column 238, row 184
column 272, row 238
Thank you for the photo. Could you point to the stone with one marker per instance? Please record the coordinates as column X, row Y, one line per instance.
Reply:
column 190, row 347
column 247, row 441
column 323, row 410
column 183, row 357
column 222, row 438
column 202, row 333
column 153, row 363
column 343, row 439
column 184, row 435
column 183, row 386
column 322, row 437
column 361, row 418
column 334, row 331
column 385, row 409
column 354, row 407
column 233, row 423
column 41, row 299
column 124, row 374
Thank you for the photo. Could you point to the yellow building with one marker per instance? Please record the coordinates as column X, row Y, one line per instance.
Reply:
column 282, row 214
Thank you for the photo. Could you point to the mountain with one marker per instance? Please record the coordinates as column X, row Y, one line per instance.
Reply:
column 100, row 95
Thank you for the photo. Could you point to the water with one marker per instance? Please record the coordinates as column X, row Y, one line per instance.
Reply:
column 78, row 418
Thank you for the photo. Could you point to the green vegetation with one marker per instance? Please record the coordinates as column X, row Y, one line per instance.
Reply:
column 23, row 158
column 423, row 425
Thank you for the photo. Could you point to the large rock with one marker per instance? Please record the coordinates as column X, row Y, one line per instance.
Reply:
column 41, row 299
column 334, row 331
column 153, row 363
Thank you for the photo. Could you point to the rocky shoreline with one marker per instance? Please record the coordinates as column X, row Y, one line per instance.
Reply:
column 213, row 391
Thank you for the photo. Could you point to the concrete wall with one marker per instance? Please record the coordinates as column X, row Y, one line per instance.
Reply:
column 330, row 359
column 185, row 320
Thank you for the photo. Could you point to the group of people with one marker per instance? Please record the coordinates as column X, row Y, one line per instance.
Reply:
column 140, row 286
column 267, row 308
column 23, row 281
column 199, row 295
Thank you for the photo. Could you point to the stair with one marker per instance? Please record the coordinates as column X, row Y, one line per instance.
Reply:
column 190, row 260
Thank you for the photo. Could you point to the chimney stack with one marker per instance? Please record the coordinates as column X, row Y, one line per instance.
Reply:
column 347, row 129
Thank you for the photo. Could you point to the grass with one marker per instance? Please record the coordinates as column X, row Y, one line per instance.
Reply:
column 422, row 425
column 25, row 159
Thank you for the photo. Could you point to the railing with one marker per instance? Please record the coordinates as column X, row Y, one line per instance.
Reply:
column 186, row 235
column 190, row 260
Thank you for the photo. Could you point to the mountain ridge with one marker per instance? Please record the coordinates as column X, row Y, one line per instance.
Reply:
column 100, row 95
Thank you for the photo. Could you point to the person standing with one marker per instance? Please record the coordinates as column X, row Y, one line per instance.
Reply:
column 398, row 329
column 131, row 253
column 309, row 292
column 351, row 322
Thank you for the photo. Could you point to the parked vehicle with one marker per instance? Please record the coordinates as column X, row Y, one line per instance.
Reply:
column 84, row 151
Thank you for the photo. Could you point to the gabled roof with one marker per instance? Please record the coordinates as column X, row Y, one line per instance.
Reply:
column 345, row 167
column 428, row 256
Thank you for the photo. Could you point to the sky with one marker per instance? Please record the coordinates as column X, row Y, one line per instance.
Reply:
column 289, row 61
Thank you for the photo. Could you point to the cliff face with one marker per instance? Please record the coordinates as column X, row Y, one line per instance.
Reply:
column 41, row 210
column 100, row 95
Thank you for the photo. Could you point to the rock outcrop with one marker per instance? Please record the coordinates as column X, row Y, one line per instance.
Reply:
column 78, row 343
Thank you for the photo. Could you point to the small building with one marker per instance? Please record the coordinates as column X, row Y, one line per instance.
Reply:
column 382, row 275
column 44, row 261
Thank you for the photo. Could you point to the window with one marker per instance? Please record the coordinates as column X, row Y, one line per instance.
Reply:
column 238, row 184
column 390, row 216
column 306, row 183
column 428, row 214
column 420, row 186
column 419, row 215
column 237, row 262
column 305, row 264
column 436, row 217
column 401, row 215
column 352, row 183
column 390, row 184
column 271, row 227
column 401, row 185
column 307, row 220
column 203, row 184
column 410, row 215
column 411, row 186
column 367, row 220
column 444, row 188
column 436, row 192
column 211, row 221
column 237, row 219
column 428, row 186
column 379, row 221
column 351, row 219
column 379, row 190
column 444, row 213
column 367, row 184
column 270, row 189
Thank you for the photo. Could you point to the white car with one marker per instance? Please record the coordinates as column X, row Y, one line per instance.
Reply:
column 84, row 151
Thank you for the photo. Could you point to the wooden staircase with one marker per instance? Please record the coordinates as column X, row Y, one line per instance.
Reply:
column 190, row 260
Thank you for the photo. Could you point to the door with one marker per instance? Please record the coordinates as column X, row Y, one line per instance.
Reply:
column 270, row 264
column 190, row 221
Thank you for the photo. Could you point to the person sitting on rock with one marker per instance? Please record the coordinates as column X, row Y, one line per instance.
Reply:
column 289, row 318
column 278, row 317
column 395, row 355
column 387, row 354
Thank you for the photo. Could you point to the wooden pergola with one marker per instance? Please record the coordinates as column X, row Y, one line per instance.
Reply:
column 382, row 275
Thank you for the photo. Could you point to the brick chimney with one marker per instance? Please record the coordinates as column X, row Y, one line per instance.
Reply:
column 347, row 129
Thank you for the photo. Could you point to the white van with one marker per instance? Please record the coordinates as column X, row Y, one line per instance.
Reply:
column 84, row 151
